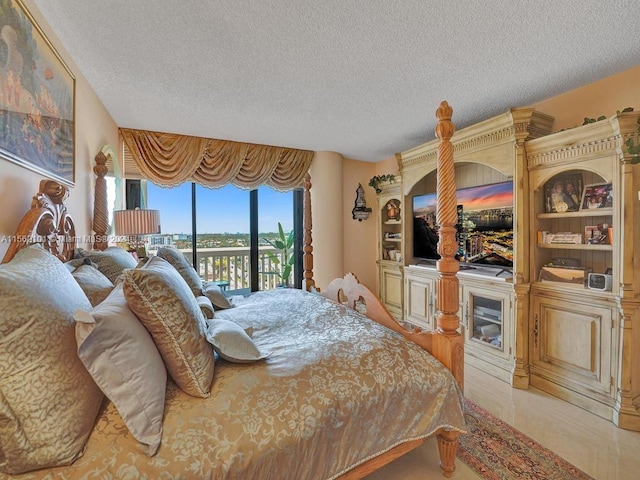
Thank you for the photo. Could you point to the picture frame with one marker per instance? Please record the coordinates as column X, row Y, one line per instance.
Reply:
column 37, row 105
column 597, row 195
column 563, row 193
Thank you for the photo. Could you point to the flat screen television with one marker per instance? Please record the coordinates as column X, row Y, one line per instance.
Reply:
column 484, row 229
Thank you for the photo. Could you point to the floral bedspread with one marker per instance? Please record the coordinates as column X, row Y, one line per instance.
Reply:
column 336, row 390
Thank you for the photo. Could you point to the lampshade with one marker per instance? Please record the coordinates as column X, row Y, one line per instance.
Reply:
column 136, row 222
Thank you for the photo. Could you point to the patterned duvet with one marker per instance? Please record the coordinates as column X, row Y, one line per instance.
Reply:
column 336, row 390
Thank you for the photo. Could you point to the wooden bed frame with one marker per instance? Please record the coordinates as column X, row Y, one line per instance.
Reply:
column 49, row 224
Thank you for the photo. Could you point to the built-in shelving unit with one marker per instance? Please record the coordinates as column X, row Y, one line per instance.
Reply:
column 581, row 340
column 390, row 253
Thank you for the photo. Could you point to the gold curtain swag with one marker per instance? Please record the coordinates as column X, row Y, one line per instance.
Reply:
column 169, row 160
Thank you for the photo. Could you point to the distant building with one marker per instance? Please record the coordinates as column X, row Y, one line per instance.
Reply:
column 160, row 241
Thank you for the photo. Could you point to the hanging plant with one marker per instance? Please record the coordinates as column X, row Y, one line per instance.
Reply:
column 375, row 181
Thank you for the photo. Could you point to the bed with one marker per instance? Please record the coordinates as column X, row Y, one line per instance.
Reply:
column 340, row 387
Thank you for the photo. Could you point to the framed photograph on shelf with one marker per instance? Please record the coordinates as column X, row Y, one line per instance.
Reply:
column 37, row 101
column 595, row 234
column 562, row 193
column 597, row 195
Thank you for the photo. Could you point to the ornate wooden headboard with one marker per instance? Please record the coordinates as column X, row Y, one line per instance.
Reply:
column 47, row 223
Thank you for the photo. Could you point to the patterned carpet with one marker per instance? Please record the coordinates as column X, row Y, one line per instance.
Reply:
column 497, row 451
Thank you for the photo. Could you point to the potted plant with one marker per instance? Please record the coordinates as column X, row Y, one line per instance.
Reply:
column 284, row 259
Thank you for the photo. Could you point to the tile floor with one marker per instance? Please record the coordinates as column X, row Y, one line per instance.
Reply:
column 589, row 442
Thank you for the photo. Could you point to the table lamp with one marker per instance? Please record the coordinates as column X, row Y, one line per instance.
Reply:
column 134, row 224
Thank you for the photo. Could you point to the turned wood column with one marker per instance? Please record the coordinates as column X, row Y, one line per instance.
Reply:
column 100, row 207
column 307, row 257
column 449, row 345
column 447, row 218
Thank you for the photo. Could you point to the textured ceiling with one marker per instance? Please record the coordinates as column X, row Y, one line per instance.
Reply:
column 359, row 77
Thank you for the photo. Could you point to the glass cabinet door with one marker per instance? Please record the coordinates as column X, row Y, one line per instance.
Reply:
column 485, row 320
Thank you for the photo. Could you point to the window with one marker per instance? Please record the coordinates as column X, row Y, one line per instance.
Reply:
column 175, row 217
column 232, row 230
column 222, row 235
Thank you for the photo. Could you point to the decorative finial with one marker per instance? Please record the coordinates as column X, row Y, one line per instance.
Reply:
column 444, row 111
column 445, row 127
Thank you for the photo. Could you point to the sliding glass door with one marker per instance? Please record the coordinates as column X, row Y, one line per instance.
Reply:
column 238, row 242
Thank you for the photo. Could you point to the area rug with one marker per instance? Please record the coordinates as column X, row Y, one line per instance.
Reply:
column 497, row 451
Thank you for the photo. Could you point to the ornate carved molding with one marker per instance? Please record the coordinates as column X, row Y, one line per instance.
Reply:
column 47, row 223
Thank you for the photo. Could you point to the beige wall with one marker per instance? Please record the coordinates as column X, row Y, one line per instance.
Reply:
column 359, row 236
column 327, row 217
column 94, row 128
column 603, row 97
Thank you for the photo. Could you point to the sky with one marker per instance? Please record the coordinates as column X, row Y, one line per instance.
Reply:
column 496, row 195
column 223, row 210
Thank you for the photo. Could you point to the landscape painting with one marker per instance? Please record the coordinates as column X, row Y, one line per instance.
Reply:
column 37, row 98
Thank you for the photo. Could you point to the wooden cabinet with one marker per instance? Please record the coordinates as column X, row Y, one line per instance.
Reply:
column 573, row 349
column 544, row 325
column 390, row 254
column 488, row 152
column 420, row 296
column 583, row 342
column 487, row 324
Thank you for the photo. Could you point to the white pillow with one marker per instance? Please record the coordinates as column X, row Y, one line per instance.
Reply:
column 122, row 358
column 232, row 343
column 216, row 295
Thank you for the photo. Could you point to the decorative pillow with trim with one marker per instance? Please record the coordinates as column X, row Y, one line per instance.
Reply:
column 122, row 358
column 165, row 305
column 48, row 400
column 111, row 262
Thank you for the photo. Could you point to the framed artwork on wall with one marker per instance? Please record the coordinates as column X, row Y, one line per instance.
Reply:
column 37, row 98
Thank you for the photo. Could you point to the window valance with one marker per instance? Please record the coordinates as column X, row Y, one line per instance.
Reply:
column 169, row 159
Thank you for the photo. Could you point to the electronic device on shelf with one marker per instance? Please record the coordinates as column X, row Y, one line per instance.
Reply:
column 600, row 281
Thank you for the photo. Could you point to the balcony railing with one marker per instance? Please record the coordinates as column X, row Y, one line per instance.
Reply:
column 231, row 264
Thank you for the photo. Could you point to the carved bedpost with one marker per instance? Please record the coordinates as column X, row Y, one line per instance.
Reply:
column 307, row 258
column 450, row 343
column 100, row 207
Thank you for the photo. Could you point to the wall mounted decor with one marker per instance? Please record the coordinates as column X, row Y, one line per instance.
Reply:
column 360, row 210
column 37, row 98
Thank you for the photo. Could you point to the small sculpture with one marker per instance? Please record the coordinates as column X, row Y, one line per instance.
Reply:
column 393, row 211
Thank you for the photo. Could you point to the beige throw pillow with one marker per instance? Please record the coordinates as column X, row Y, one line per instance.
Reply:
column 163, row 302
column 184, row 268
column 111, row 262
column 123, row 360
column 93, row 283
column 48, row 400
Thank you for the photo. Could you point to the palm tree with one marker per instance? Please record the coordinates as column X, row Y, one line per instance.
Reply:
column 285, row 259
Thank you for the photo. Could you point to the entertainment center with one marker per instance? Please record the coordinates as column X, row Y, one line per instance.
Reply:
column 538, row 212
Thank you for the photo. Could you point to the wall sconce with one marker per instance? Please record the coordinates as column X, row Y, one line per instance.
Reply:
column 360, row 211
column 134, row 224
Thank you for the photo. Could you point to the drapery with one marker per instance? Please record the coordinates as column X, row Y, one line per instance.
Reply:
column 169, row 159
